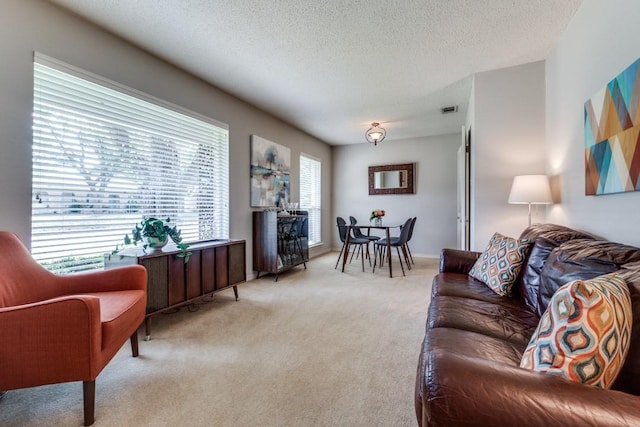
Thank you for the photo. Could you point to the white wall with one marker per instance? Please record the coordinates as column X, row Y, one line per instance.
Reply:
column 28, row 26
column 507, row 139
column 434, row 202
column 600, row 42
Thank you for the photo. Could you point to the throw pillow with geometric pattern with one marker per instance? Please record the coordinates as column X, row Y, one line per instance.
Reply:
column 584, row 334
column 500, row 263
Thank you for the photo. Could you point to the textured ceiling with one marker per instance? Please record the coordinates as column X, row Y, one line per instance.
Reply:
column 332, row 67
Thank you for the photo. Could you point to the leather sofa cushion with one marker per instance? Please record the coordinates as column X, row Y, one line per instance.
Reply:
column 529, row 285
column 501, row 321
column 473, row 344
column 545, row 238
column 581, row 259
column 463, row 286
column 554, row 232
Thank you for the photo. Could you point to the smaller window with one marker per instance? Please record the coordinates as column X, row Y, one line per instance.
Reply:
column 310, row 195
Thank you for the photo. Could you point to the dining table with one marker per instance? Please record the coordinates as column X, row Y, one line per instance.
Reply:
column 370, row 227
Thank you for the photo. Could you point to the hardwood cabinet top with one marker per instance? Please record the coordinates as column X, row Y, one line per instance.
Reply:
column 171, row 248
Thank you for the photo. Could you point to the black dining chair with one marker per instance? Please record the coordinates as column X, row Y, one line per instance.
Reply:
column 413, row 223
column 342, row 230
column 358, row 234
column 408, row 257
column 398, row 242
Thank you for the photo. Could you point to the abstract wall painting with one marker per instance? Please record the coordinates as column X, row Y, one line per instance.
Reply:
column 612, row 135
column 270, row 173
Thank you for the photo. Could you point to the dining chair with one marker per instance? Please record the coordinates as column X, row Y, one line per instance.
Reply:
column 398, row 242
column 413, row 223
column 357, row 233
column 342, row 229
column 408, row 258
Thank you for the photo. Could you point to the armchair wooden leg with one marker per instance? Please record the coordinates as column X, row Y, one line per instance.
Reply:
column 89, row 394
column 134, row 343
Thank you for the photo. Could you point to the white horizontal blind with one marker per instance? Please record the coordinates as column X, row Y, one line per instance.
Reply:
column 310, row 195
column 104, row 157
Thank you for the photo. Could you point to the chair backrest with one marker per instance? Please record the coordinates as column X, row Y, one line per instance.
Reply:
column 406, row 229
column 356, row 232
column 413, row 223
column 22, row 279
column 342, row 228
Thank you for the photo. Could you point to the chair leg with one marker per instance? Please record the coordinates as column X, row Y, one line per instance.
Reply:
column 134, row 343
column 375, row 257
column 352, row 254
column 410, row 255
column 362, row 257
column 89, row 395
column 400, row 259
column 406, row 256
column 368, row 254
column 339, row 256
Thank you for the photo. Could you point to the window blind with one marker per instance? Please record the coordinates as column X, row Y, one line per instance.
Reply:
column 105, row 156
column 311, row 195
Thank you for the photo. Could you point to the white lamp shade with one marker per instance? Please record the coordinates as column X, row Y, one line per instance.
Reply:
column 532, row 189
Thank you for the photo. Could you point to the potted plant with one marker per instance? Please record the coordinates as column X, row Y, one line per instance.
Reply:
column 155, row 234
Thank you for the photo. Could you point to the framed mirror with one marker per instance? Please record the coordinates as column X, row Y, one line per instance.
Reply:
column 391, row 179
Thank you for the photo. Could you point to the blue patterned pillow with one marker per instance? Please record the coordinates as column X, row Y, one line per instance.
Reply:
column 499, row 265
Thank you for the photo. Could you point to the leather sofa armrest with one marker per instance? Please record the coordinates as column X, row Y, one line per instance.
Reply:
column 457, row 261
column 469, row 391
column 131, row 277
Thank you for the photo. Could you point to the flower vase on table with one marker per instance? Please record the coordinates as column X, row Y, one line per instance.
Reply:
column 376, row 217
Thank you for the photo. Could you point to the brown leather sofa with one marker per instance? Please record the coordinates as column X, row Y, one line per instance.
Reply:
column 468, row 370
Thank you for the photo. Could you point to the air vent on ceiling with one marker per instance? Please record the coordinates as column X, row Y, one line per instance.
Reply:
column 447, row 110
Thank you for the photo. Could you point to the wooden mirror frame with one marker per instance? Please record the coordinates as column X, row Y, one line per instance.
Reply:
column 409, row 189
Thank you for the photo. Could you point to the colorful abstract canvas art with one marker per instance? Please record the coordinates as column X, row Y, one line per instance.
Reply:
column 270, row 173
column 612, row 135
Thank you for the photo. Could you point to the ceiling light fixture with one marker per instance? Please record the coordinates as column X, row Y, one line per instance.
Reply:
column 375, row 134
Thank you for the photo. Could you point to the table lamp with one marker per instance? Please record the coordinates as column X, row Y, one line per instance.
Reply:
column 530, row 190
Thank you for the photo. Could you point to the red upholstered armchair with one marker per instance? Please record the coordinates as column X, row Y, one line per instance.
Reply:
column 56, row 329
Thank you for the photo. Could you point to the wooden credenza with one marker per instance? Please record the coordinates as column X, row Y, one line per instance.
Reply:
column 214, row 265
column 280, row 242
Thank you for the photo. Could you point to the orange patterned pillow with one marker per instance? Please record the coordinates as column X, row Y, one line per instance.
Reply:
column 584, row 334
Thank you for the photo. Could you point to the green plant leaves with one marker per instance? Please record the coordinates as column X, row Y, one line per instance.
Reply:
column 153, row 227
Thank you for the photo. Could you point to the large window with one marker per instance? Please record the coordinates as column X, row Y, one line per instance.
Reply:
column 310, row 195
column 105, row 156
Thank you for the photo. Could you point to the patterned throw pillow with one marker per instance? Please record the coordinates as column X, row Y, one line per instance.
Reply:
column 499, row 265
column 584, row 334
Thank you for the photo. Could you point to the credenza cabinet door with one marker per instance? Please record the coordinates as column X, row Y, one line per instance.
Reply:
column 212, row 267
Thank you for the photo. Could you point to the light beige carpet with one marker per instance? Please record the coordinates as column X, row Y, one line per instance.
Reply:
column 317, row 348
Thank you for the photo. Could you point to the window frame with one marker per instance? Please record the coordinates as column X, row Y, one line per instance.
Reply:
column 203, row 143
column 315, row 212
